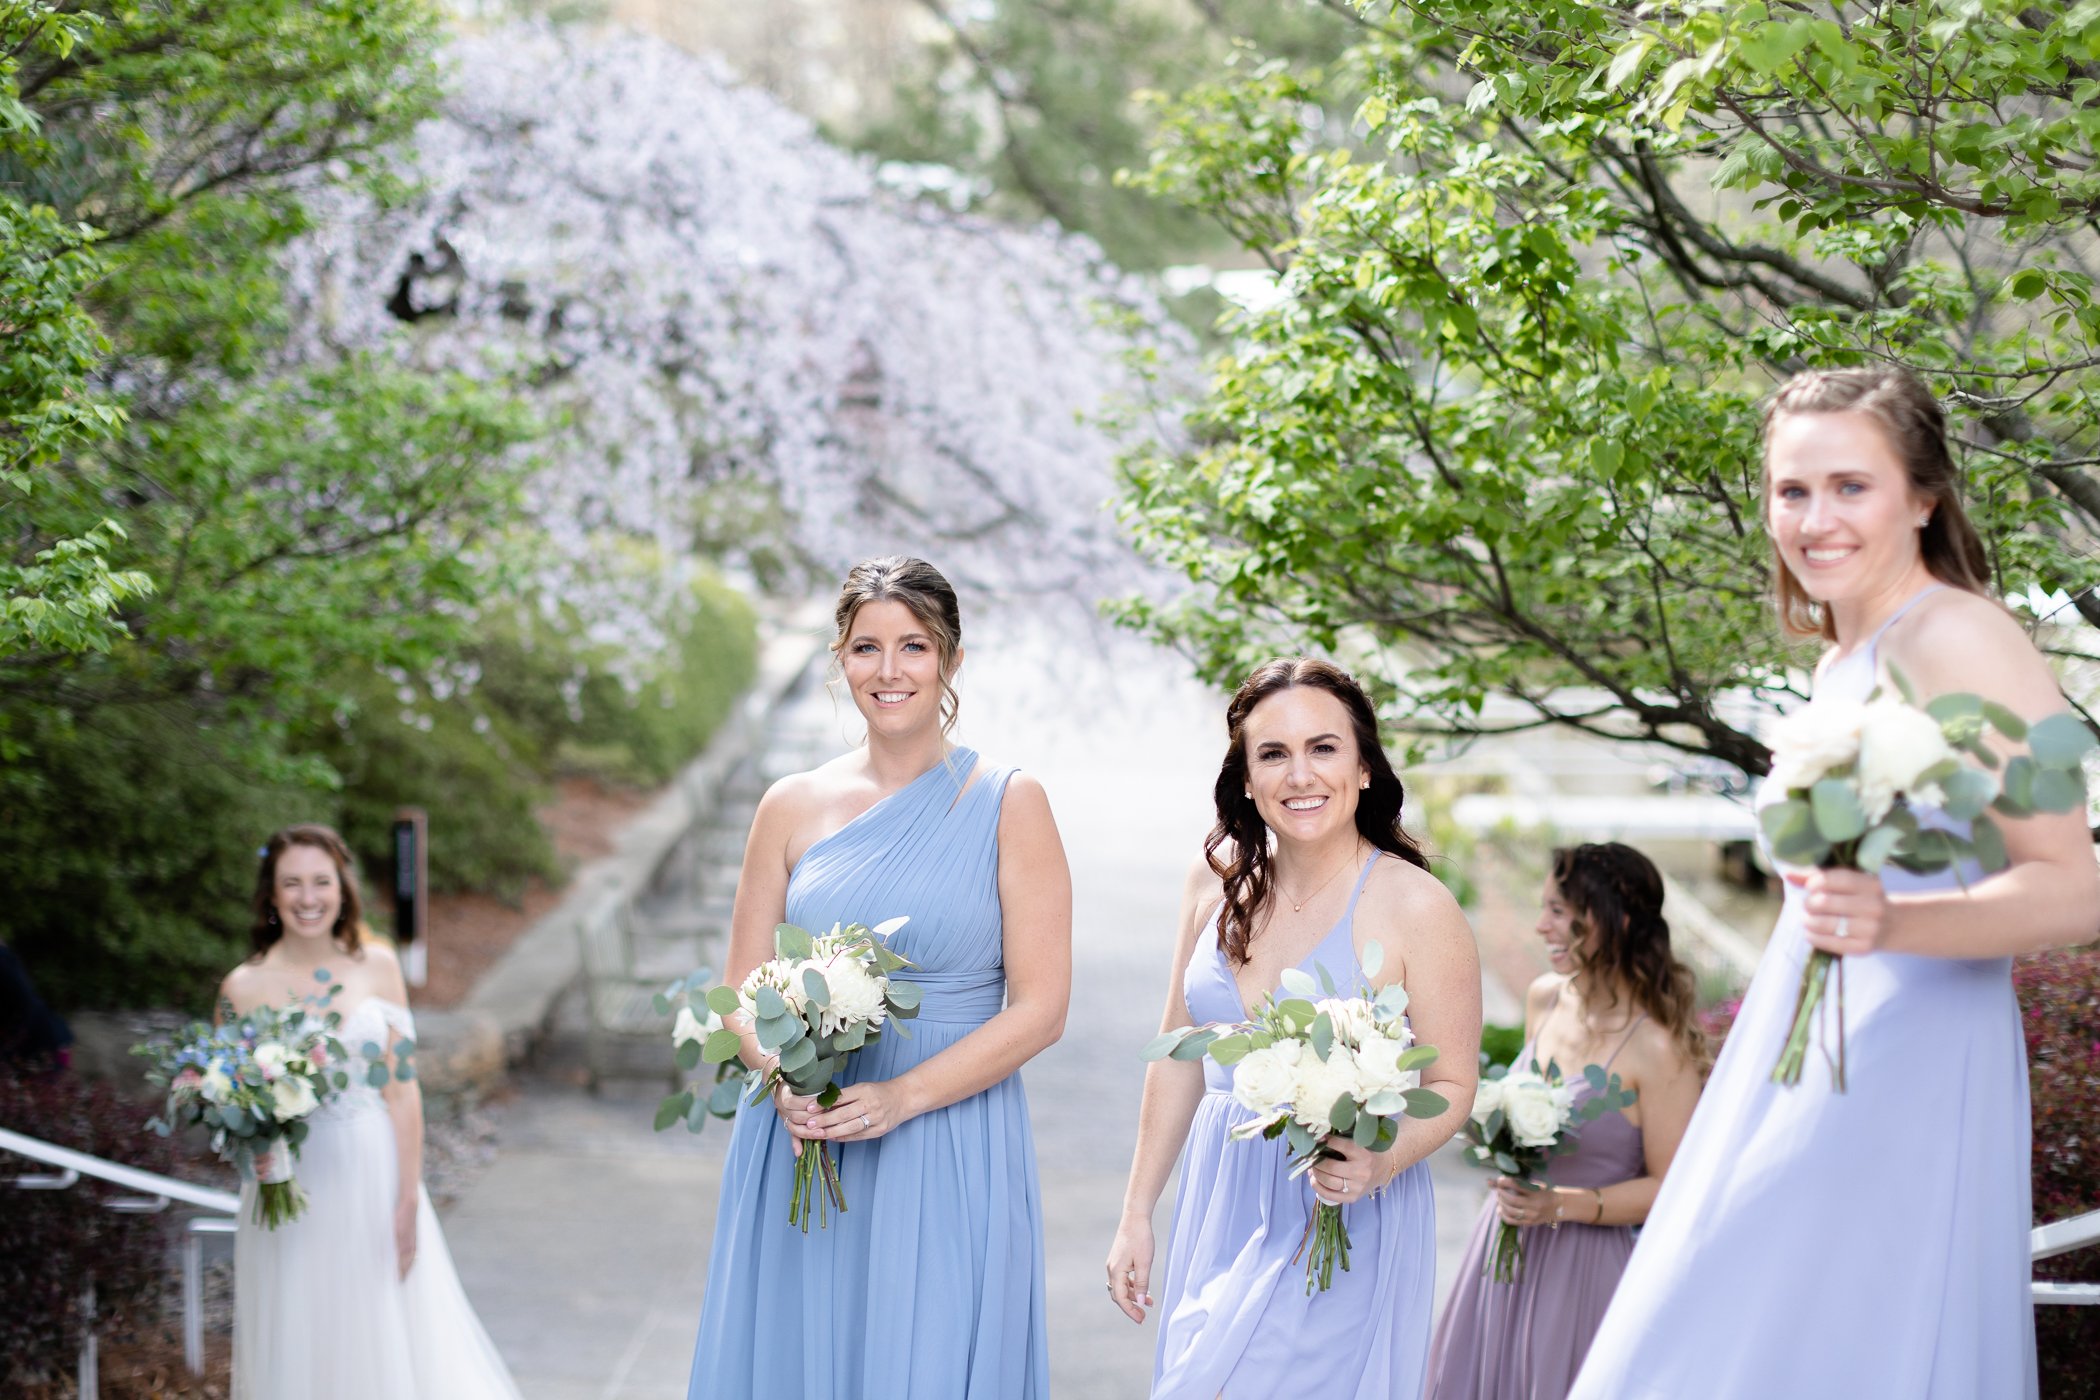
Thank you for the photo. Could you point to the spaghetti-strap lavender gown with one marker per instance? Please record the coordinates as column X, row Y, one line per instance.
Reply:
column 930, row 1286
column 1235, row 1319
column 1808, row 1243
column 1525, row 1340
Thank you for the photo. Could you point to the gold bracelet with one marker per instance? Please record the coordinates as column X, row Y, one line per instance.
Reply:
column 1599, row 1219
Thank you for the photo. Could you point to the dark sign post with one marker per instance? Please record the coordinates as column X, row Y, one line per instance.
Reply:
column 411, row 879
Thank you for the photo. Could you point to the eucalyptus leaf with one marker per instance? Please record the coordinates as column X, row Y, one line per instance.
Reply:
column 1343, row 1114
column 1968, row 791
column 1838, row 814
column 1321, row 1036
column 1955, row 705
column 1416, row 1056
column 723, row 1001
column 1425, row 1103
column 722, row 1046
column 673, row 1109
column 1373, row 959
column 815, row 987
column 1230, row 1049
column 1162, row 1045
column 768, row 1003
column 376, row 1076
column 2016, row 795
column 1875, row 848
column 1192, row 1047
column 798, row 1057
column 2005, row 721
column 687, row 1054
column 2059, row 742
column 2059, row 790
column 1326, row 979
column 1299, row 983
column 1988, row 842
column 790, row 941
column 1385, row 1103
column 1366, row 1130
column 904, row 997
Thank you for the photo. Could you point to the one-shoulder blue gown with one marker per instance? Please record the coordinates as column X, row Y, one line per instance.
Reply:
column 930, row 1286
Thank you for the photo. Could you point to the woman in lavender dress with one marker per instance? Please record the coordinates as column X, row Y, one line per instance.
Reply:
column 1617, row 998
column 1306, row 866
column 1873, row 1242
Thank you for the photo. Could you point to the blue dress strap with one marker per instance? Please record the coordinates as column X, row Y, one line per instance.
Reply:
column 1362, row 879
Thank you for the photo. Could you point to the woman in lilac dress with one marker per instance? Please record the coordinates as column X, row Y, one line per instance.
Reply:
column 1306, row 866
column 1616, row 997
column 1873, row 1242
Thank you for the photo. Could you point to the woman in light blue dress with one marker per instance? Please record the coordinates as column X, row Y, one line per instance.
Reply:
column 1812, row 1243
column 930, row 1285
column 1306, row 866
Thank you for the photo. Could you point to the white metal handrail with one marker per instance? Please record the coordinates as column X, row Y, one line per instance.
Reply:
column 156, row 1193
column 2061, row 1237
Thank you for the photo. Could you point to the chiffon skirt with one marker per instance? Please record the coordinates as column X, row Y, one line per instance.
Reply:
column 320, row 1311
column 1235, row 1317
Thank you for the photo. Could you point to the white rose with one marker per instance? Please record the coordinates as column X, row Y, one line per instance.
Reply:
column 1377, row 1061
column 856, row 995
column 1813, row 740
column 270, row 1059
column 1351, row 1017
column 1486, row 1099
column 1534, row 1109
column 294, row 1099
column 217, row 1086
column 1897, row 743
column 1267, row 1077
column 1320, row 1083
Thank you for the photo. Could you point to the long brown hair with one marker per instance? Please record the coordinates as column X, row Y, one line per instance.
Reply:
column 901, row 578
column 1917, row 432
column 1238, row 846
column 1616, row 895
column 264, row 930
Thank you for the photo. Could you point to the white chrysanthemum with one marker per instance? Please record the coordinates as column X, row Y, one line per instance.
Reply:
column 857, row 993
column 294, row 1098
column 784, row 976
column 1897, row 743
column 1813, row 741
column 1266, row 1078
column 1535, row 1110
column 1377, row 1065
column 1486, row 1099
column 1320, row 1083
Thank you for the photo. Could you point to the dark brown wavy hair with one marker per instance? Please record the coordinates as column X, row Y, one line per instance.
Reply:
column 264, row 930
column 901, row 578
column 1916, row 428
column 1238, row 846
column 1616, row 894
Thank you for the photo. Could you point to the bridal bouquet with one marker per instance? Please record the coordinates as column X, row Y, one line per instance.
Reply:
column 815, row 1002
column 1314, row 1068
column 1521, row 1117
column 1855, row 775
column 253, row 1082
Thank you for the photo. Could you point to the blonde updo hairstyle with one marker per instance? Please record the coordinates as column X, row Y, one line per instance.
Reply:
column 901, row 578
column 1916, row 428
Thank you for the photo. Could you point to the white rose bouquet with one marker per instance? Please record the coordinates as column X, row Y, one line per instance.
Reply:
column 1313, row 1068
column 253, row 1081
column 1522, row 1116
column 1854, row 775
column 813, row 1004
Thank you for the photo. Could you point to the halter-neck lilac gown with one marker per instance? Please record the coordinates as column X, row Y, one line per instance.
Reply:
column 1807, row 1243
column 1525, row 1340
column 1235, row 1319
column 930, row 1286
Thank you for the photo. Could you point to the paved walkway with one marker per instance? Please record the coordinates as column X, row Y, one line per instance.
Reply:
column 584, row 1247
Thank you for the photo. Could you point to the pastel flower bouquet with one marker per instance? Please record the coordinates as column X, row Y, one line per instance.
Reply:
column 1521, row 1117
column 253, row 1081
column 1855, row 776
column 1314, row 1068
column 816, row 1002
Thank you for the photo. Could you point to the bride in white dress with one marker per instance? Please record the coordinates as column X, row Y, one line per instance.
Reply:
column 357, row 1298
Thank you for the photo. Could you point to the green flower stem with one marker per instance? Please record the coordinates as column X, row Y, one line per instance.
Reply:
column 277, row 1202
column 814, row 1163
column 1505, row 1258
column 1329, row 1239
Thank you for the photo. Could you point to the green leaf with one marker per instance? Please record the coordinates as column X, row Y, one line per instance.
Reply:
column 1969, row 791
column 1877, row 846
column 723, row 1001
column 816, row 988
column 1425, row 1103
column 2005, row 721
column 1372, row 960
column 2059, row 790
column 1955, row 705
column 1989, row 844
column 904, row 997
column 797, row 1057
column 1343, row 1113
column 1837, row 810
column 722, row 1046
column 1230, row 1049
column 1164, row 1044
column 769, row 1004
column 789, row 941
column 673, row 1109
column 2059, row 742
column 1193, row 1046
column 1321, row 1036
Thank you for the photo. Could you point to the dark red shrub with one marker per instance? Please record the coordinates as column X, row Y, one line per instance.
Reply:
column 55, row 1240
column 2060, row 1008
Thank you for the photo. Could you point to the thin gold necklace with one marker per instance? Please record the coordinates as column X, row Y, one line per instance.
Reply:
column 1298, row 905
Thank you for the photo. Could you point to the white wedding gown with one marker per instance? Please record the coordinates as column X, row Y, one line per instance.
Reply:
column 320, row 1310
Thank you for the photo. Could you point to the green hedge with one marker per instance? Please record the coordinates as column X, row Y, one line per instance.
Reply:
column 132, row 830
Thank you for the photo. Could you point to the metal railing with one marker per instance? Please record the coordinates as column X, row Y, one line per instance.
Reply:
column 155, row 1194
column 2061, row 1237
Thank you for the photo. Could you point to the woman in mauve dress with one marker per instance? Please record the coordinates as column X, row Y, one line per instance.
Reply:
column 1616, row 997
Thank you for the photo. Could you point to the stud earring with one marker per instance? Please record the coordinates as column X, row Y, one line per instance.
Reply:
column 1923, row 521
